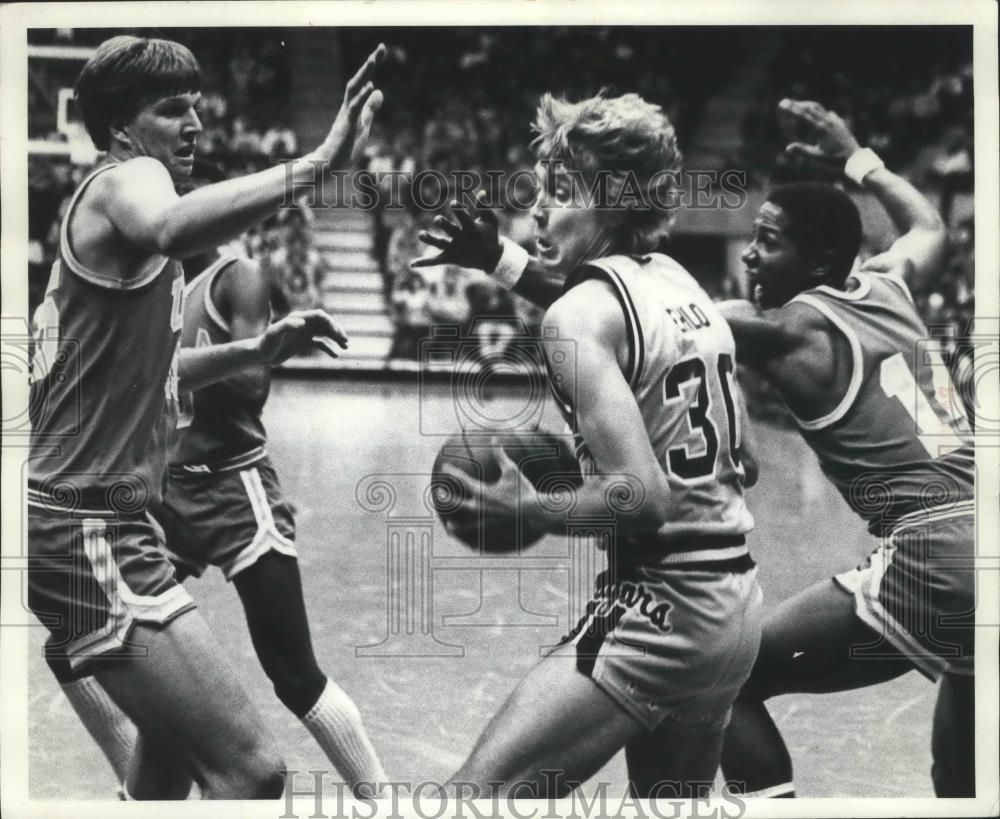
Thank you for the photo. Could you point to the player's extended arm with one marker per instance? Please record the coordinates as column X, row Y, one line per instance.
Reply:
column 760, row 335
column 632, row 484
column 475, row 241
column 791, row 346
column 143, row 206
column 919, row 250
column 303, row 329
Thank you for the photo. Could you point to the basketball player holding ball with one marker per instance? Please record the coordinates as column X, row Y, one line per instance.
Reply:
column 674, row 625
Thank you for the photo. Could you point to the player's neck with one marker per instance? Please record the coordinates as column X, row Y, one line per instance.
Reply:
column 118, row 152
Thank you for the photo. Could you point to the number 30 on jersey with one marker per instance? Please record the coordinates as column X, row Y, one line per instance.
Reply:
column 704, row 393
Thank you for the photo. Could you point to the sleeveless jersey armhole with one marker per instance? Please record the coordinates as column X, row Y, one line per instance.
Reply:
column 210, row 306
column 899, row 282
column 857, row 364
column 633, row 327
column 147, row 273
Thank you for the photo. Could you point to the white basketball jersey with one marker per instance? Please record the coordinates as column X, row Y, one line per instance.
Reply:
column 681, row 368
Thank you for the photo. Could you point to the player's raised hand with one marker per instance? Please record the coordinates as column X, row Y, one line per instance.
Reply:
column 834, row 140
column 350, row 129
column 298, row 331
column 471, row 240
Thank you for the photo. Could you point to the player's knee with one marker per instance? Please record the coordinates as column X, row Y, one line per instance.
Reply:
column 953, row 780
column 953, row 740
column 259, row 773
column 769, row 676
column 268, row 776
column 59, row 665
column 473, row 782
column 299, row 689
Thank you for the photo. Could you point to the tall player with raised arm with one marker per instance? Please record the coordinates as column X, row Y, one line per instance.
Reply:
column 105, row 375
column 673, row 627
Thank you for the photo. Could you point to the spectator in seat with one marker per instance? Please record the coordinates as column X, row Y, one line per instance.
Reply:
column 300, row 269
column 492, row 320
column 411, row 315
column 447, row 302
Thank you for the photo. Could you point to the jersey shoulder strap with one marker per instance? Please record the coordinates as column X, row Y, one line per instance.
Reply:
column 896, row 281
column 617, row 271
column 814, row 300
column 203, row 282
column 149, row 270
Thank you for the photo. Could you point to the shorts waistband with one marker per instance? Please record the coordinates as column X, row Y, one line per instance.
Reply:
column 920, row 517
column 83, row 503
column 899, row 518
column 949, row 510
column 735, row 565
column 240, row 461
column 698, row 553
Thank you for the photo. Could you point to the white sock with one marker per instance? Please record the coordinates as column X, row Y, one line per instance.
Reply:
column 335, row 722
column 113, row 732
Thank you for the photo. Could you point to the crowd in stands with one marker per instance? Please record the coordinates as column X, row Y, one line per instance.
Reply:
column 469, row 96
column 449, row 295
column 245, row 120
column 911, row 102
column 469, row 104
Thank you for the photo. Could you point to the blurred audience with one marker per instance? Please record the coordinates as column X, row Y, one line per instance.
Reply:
column 912, row 103
column 463, row 100
column 246, row 127
column 411, row 315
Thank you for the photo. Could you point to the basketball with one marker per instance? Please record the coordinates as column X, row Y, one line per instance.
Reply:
column 546, row 460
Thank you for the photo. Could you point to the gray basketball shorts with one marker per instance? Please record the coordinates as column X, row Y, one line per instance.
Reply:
column 671, row 643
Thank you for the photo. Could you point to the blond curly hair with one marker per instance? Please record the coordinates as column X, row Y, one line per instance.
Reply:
column 630, row 141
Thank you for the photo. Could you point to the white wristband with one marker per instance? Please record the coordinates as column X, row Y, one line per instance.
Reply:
column 513, row 260
column 861, row 163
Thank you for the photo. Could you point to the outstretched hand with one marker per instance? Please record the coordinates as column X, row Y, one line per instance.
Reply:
column 468, row 241
column 510, row 497
column 298, row 331
column 349, row 133
column 834, row 140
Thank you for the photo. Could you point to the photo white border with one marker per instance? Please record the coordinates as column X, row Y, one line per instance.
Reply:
column 16, row 19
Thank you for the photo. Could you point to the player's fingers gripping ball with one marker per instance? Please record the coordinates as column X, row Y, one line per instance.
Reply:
column 469, row 464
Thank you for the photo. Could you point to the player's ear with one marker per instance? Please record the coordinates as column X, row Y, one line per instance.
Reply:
column 822, row 266
column 119, row 133
column 617, row 227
